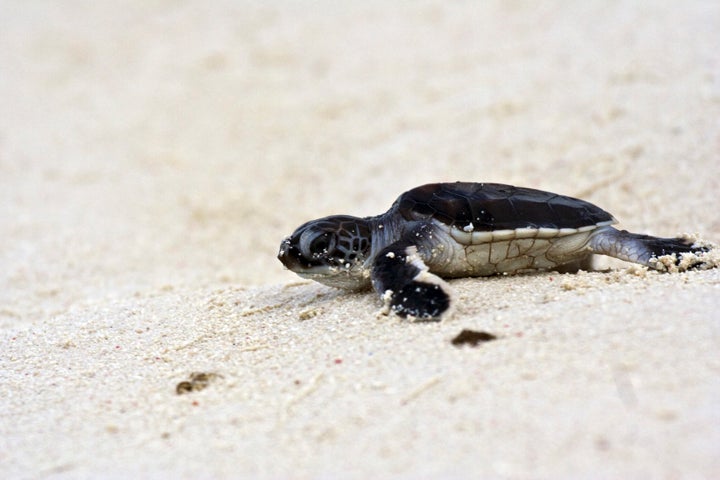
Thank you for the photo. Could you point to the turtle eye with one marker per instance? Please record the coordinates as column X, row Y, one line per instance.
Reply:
column 318, row 245
column 323, row 244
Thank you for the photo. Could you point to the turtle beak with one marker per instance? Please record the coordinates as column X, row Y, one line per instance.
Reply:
column 290, row 256
column 283, row 254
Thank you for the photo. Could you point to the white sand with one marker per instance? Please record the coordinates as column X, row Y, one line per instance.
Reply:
column 153, row 155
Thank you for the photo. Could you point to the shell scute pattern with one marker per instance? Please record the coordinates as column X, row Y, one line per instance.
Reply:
column 496, row 207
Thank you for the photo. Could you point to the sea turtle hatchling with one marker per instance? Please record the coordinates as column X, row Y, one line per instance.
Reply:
column 462, row 230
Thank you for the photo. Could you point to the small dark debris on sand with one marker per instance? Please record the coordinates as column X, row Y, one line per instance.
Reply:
column 472, row 338
column 198, row 381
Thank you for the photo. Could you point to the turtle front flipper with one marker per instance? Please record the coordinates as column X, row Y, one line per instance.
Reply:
column 404, row 282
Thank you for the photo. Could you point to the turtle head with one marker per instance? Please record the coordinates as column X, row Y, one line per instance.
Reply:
column 330, row 250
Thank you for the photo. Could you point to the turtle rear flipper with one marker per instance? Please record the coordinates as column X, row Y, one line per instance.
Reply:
column 405, row 283
column 654, row 252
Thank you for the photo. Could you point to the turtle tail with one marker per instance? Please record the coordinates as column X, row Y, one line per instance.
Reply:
column 666, row 254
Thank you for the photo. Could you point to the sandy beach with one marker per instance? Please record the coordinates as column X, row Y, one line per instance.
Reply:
column 154, row 154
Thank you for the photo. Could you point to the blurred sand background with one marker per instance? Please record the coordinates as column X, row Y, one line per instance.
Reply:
column 154, row 153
